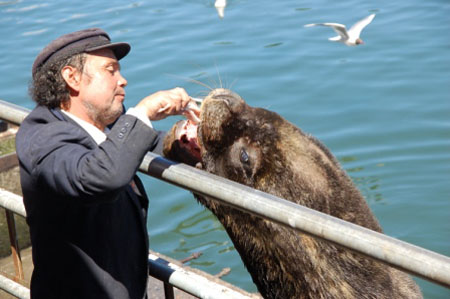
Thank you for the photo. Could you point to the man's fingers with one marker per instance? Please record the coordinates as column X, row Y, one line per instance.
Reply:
column 168, row 102
column 165, row 108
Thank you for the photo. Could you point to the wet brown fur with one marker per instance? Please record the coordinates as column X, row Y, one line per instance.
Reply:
column 284, row 161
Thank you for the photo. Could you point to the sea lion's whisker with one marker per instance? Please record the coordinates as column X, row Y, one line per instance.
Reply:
column 218, row 75
column 191, row 81
column 232, row 83
column 212, row 82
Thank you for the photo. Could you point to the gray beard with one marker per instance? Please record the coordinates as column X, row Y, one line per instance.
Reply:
column 102, row 118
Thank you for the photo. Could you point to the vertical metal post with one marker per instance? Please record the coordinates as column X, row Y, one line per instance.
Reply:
column 168, row 291
column 14, row 246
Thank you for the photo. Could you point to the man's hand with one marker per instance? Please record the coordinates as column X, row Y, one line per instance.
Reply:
column 168, row 102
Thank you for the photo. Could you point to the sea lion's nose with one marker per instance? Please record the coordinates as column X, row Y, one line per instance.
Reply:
column 231, row 100
column 234, row 103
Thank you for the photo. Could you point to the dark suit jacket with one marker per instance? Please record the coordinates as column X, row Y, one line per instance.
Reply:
column 87, row 226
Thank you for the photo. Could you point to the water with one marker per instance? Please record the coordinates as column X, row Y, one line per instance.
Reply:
column 383, row 108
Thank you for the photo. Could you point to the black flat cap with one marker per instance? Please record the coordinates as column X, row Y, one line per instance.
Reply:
column 86, row 40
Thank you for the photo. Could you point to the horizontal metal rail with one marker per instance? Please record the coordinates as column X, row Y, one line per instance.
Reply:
column 179, row 277
column 13, row 288
column 191, row 282
column 12, row 202
column 12, row 113
column 404, row 256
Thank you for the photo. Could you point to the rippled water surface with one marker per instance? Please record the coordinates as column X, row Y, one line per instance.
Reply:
column 383, row 108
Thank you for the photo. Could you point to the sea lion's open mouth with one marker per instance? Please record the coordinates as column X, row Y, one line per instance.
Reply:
column 181, row 143
column 187, row 134
column 188, row 140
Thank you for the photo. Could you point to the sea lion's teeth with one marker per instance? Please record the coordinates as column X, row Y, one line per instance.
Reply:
column 190, row 112
column 190, row 115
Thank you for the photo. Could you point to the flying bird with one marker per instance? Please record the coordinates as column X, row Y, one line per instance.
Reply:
column 220, row 7
column 349, row 37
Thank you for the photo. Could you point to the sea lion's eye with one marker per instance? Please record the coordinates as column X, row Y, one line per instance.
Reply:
column 244, row 156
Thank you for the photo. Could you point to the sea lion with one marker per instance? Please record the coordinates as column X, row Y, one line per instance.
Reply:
column 260, row 149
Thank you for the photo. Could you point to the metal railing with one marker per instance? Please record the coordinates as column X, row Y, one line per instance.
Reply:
column 401, row 255
column 169, row 273
column 14, row 288
column 12, row 203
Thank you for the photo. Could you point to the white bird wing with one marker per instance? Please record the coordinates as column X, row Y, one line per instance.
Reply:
column 220, row 3
column 339, row 28
column 356, row 29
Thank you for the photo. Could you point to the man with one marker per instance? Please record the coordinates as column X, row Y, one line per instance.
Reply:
column 78, row 155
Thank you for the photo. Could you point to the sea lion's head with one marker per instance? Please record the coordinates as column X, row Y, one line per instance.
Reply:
column 236, row 140
column 252, row 146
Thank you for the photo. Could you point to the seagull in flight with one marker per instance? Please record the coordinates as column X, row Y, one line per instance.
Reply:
column 220, row 7
column 349, row 37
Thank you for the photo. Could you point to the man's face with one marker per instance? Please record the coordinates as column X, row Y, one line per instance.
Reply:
column 102, row 87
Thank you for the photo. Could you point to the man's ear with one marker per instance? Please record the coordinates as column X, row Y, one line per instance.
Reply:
column 72, row 77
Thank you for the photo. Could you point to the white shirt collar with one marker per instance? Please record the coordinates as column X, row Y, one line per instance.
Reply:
column 92, row 130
